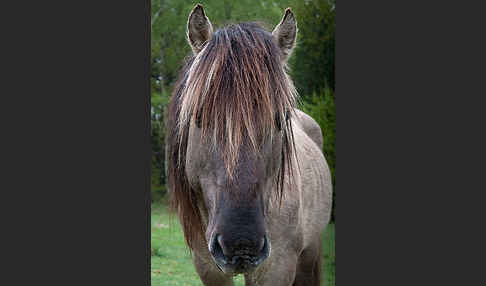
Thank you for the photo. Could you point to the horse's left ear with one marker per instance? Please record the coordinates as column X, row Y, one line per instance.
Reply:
column 285, row 33
column 199, row 29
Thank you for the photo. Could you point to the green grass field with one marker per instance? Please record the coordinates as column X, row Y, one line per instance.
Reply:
column 172, row 262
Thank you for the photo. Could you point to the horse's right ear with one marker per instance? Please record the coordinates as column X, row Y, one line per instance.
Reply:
column 285, row 33
column 199, row 29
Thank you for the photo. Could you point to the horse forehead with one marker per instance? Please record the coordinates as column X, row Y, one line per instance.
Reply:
column 244, row 176
column 206, row 155
column 247, row 169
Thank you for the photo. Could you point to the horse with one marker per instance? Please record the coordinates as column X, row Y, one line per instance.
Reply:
column 246, row 174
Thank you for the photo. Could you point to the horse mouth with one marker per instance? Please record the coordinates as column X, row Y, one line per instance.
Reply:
column 240, row 263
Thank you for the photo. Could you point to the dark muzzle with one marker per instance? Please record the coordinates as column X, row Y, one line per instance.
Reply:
column 239, row 255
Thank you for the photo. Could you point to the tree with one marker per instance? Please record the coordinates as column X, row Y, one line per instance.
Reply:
column 313, row 64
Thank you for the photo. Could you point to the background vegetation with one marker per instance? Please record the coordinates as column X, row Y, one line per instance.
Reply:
column 311, row 68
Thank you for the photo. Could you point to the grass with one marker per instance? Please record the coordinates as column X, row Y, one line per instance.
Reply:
column 172, row 263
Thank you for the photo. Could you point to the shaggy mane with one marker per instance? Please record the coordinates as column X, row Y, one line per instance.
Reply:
column 236, row 90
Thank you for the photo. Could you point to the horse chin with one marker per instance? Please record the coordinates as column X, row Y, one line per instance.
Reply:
column 244, row 268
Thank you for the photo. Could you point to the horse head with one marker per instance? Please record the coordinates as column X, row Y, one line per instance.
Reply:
column 230, row 137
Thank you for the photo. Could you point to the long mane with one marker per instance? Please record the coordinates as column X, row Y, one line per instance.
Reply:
column 236, row 90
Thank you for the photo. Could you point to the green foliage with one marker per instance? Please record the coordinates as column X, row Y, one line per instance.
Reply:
column 158, row 180
column 313, row 64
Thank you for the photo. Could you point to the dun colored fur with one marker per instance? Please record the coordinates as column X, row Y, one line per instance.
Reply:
column 235, row 91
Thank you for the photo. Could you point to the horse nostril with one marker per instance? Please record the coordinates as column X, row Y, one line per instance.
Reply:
column 214, row 245
column 261, row 244
column 217, row 250
column 265, row 250
column 220, row 241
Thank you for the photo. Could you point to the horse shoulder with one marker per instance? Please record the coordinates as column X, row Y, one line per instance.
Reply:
column 315, row 181
column 310, row 127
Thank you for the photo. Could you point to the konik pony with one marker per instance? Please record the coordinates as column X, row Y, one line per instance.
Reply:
column 247, row 177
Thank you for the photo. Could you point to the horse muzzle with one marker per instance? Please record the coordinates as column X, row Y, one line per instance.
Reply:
column 241, row 256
